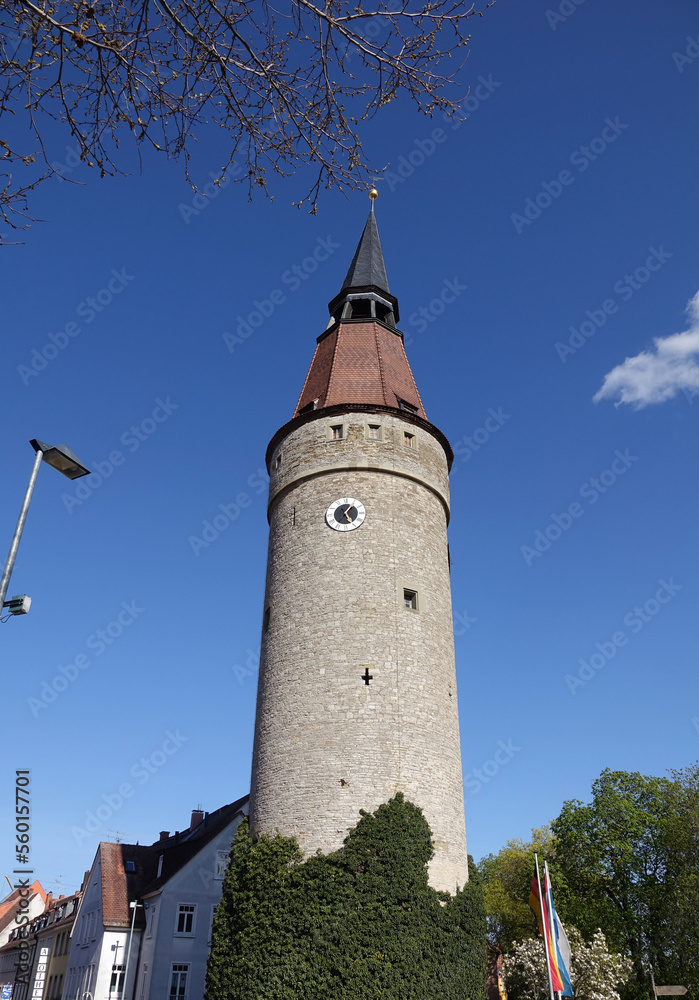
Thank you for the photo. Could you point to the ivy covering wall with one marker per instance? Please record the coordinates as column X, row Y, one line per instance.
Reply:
column 359, row 924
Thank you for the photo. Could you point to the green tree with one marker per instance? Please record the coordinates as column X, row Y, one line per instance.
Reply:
column 359, row 924
column 628, row 866
column 507, row 879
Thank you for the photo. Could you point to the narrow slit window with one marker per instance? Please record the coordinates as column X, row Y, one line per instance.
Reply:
column 410, row 599
column 409, row 440
column 268, row 611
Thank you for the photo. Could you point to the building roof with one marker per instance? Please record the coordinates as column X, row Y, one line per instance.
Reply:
column 361, row 359
column 120, row 886
column 9, row 906
column 367, row 267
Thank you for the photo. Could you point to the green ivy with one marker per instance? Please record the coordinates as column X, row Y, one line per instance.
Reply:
column 359, row 924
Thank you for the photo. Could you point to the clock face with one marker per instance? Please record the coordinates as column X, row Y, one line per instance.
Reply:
column 345, row 514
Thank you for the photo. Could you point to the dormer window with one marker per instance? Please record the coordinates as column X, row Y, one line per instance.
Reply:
column 407, row 407
column 129, row 866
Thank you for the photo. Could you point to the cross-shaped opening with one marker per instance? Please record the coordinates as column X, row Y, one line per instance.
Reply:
column 366, row 676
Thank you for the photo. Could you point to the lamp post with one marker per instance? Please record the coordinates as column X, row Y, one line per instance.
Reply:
column 61, row 458
column 133, row 906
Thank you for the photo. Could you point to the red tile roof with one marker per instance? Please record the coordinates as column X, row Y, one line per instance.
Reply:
column 120, row 886
column 360, row 362
column 9, row 907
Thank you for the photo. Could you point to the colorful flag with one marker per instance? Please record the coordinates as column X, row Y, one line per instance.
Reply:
column 561, row 950
column 551, row 928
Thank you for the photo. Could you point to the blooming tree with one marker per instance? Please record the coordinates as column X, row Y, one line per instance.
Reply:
column 595, row 974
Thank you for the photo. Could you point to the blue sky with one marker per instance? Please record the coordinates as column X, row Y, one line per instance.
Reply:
column 589, row 124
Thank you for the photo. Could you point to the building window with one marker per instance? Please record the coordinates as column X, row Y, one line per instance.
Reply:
column 116, row 985
column 278, row 460
column 151, row 919
column 407, row 407
column 185, row 918
column 178, row 982
column 59, row 989
column 160, row 866
column 337, row 432
column 266, row 619
column 408, row 440
column 374, row 432
column 130, row 866
column 410, row 599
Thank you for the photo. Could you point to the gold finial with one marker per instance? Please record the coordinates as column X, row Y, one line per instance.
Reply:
column 373, row 194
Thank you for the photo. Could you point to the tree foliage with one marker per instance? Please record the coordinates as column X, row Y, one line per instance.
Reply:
column 359, row 924
column 507, row 879
column 625, row 864
column 630, row 870
column 288, row 82
column 595, row 975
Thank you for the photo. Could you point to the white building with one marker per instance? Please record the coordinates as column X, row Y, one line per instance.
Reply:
column 159, row 948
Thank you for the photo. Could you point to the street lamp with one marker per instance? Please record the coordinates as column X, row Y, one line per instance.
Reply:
column 132, row 906
column 59, row 457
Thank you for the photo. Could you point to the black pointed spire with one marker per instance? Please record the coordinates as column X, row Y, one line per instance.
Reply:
column 365, row 293
column 367, row 267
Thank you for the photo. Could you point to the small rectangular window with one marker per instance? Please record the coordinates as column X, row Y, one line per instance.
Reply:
column 337, row 432
column 160, row 866
column 374, row 430
column 185, row 918
column 410, row 599
column 266, row 619
column 130, row 866
column 408, row 439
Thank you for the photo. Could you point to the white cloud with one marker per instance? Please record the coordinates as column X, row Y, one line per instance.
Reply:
column 659, row 374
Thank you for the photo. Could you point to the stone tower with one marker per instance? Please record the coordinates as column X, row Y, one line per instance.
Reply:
column 357, row 686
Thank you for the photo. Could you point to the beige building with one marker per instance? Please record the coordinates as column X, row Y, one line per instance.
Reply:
column 357, row 687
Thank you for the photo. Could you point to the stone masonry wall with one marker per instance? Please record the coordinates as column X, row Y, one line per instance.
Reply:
column 326, row 744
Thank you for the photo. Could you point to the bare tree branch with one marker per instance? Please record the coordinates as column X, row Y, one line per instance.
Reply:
column 288, row 82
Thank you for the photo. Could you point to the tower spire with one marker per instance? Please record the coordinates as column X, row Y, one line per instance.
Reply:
column 367, row 269
column 360, row 358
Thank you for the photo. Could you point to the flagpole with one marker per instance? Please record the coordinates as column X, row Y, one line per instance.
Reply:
column 558, row 993
column 544, row 921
